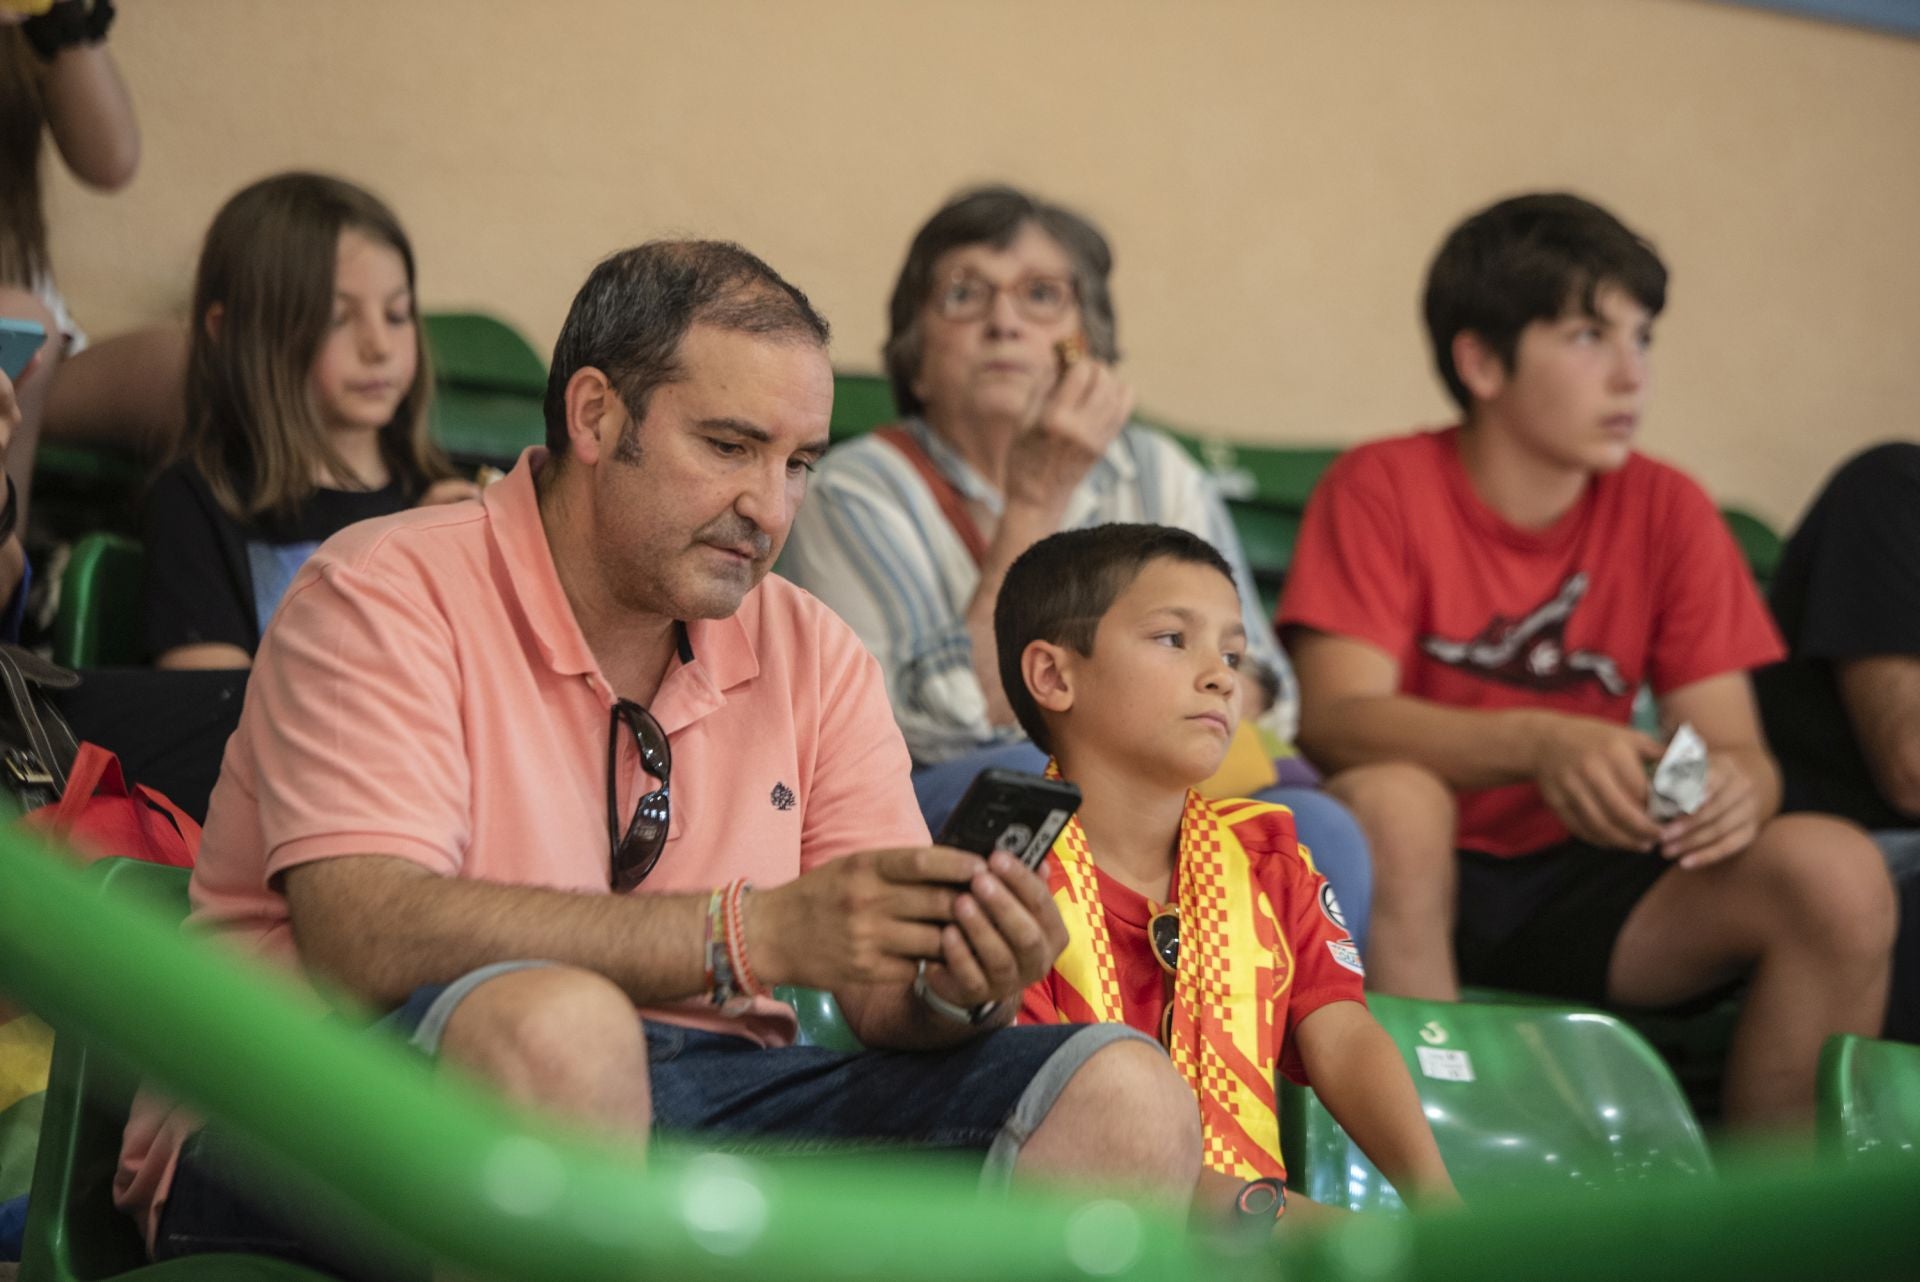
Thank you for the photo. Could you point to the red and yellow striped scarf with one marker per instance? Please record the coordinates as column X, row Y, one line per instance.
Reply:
column 1234, row 967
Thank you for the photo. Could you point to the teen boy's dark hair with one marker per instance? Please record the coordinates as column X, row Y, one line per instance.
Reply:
column 1060, row 588
column 1531, row 258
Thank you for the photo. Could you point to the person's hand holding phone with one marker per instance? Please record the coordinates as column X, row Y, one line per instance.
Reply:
column 867, row 918
column 1005, row 935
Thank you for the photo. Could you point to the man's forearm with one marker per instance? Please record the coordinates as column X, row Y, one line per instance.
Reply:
column 383, row 927
column 1468, row 748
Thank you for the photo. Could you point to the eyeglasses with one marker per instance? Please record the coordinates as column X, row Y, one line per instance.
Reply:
column 969, row 296
column 634, row 855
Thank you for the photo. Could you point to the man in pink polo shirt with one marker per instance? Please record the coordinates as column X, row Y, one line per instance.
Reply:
column 510, row 770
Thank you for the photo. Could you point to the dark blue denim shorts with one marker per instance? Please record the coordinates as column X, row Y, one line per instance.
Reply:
column 979, row 1101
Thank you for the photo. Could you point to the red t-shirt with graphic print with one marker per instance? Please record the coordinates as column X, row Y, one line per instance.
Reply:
column 1325, row 963
column 1639, row 583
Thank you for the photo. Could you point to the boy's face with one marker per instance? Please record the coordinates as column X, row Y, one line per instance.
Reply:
column 1161, row 693
column 1578, row 385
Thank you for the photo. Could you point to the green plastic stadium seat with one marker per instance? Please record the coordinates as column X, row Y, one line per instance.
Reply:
column 1521, row 1095
column 477, row 351
column 861, row 402
column 485, row 427
column 1869, row 1098
column 99, row 619
column 1267, row 535
column 821, row 1023
column 74, row 1234
column 1280, row 476
column 1758, row 543
column 489, row 387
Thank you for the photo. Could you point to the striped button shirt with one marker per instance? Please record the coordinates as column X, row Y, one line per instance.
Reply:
column 871, row 542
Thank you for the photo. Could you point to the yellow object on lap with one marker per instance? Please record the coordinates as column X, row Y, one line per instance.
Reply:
column 1248, row 767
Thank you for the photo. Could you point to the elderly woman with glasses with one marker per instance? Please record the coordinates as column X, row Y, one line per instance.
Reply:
column 1001, row 352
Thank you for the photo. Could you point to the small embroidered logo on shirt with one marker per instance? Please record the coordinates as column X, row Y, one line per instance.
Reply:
column 783, row 797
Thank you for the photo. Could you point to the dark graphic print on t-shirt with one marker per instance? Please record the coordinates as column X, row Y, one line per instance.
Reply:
column 1531, row 652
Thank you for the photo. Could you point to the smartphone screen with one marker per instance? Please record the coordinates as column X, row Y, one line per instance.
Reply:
column 19, row 340
column 1011, row 811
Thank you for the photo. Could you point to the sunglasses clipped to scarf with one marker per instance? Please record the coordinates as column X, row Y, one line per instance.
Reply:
column 1164, row 932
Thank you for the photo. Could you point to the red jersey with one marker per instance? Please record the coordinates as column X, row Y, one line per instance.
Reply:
column 1315, row 957
column 1639, row 583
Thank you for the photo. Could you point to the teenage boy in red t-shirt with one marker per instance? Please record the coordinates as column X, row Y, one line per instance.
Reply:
column 1200, row 922
column 1471, row 613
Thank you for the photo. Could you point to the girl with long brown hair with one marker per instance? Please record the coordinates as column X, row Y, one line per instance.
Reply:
column 306, row 411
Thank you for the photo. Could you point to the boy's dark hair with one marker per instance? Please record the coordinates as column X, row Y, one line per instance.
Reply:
column 1060, row 588
column 631, row 315
column 1531, row 258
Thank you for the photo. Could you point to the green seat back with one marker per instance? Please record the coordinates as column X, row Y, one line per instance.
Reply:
column 99, row 620
column 1267, row 534
column 74, row 1233
column 861, row 402
column 821, row 1023
column 477, row 351
column 1869, row 1098
column 489, row 391
column 1519, row 1096
column 1278, row 476
column 485, row 427
column 1758, row 543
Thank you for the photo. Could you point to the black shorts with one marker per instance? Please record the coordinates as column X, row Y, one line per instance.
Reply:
column 1547, row 922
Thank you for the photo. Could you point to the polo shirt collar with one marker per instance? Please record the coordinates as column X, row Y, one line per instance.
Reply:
column 722, row 650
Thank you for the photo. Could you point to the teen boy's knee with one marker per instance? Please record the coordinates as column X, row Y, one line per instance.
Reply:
column 1832, row 883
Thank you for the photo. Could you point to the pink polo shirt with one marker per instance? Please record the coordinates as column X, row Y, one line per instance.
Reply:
column 424, row 692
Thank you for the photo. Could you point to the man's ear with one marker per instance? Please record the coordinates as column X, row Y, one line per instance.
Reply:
column 1478, row 365
column 595, row 415
column 1047, row 670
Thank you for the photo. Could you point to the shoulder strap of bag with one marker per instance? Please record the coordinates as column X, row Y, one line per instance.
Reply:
column 953, row 505
column 36, row 770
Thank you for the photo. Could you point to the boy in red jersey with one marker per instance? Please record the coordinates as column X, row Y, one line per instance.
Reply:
column 1472, row 612
column 1203, row 923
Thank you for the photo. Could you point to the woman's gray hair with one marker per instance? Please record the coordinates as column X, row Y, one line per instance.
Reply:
column 993, row 216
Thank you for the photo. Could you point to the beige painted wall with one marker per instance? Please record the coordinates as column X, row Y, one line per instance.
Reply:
column 1274, row 175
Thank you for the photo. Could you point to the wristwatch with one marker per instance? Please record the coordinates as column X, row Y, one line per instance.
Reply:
column 941, row 1006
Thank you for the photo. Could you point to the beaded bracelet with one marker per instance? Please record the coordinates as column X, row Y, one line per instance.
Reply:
column 736, row 923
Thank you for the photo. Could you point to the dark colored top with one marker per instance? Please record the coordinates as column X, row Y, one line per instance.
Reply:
column 211, row 578
column 1848, row 587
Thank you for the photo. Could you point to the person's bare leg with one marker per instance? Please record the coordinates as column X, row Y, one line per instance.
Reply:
column 128, row 391
column 1409, row 817
column 1808, row 910
column 1126, row 1122
column 558, row 1040
column 33, row 394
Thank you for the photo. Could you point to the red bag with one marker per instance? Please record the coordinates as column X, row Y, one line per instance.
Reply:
column 99, row 816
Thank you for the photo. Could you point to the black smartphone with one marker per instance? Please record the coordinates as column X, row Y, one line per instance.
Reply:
column 1011, row 811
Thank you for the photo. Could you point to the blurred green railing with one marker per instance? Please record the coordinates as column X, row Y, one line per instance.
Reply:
column 494, row 1192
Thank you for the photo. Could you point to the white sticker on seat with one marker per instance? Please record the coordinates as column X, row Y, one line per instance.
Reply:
column 1444, row 1066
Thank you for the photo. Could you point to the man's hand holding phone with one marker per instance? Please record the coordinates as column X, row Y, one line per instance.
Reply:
column 1006, row 933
